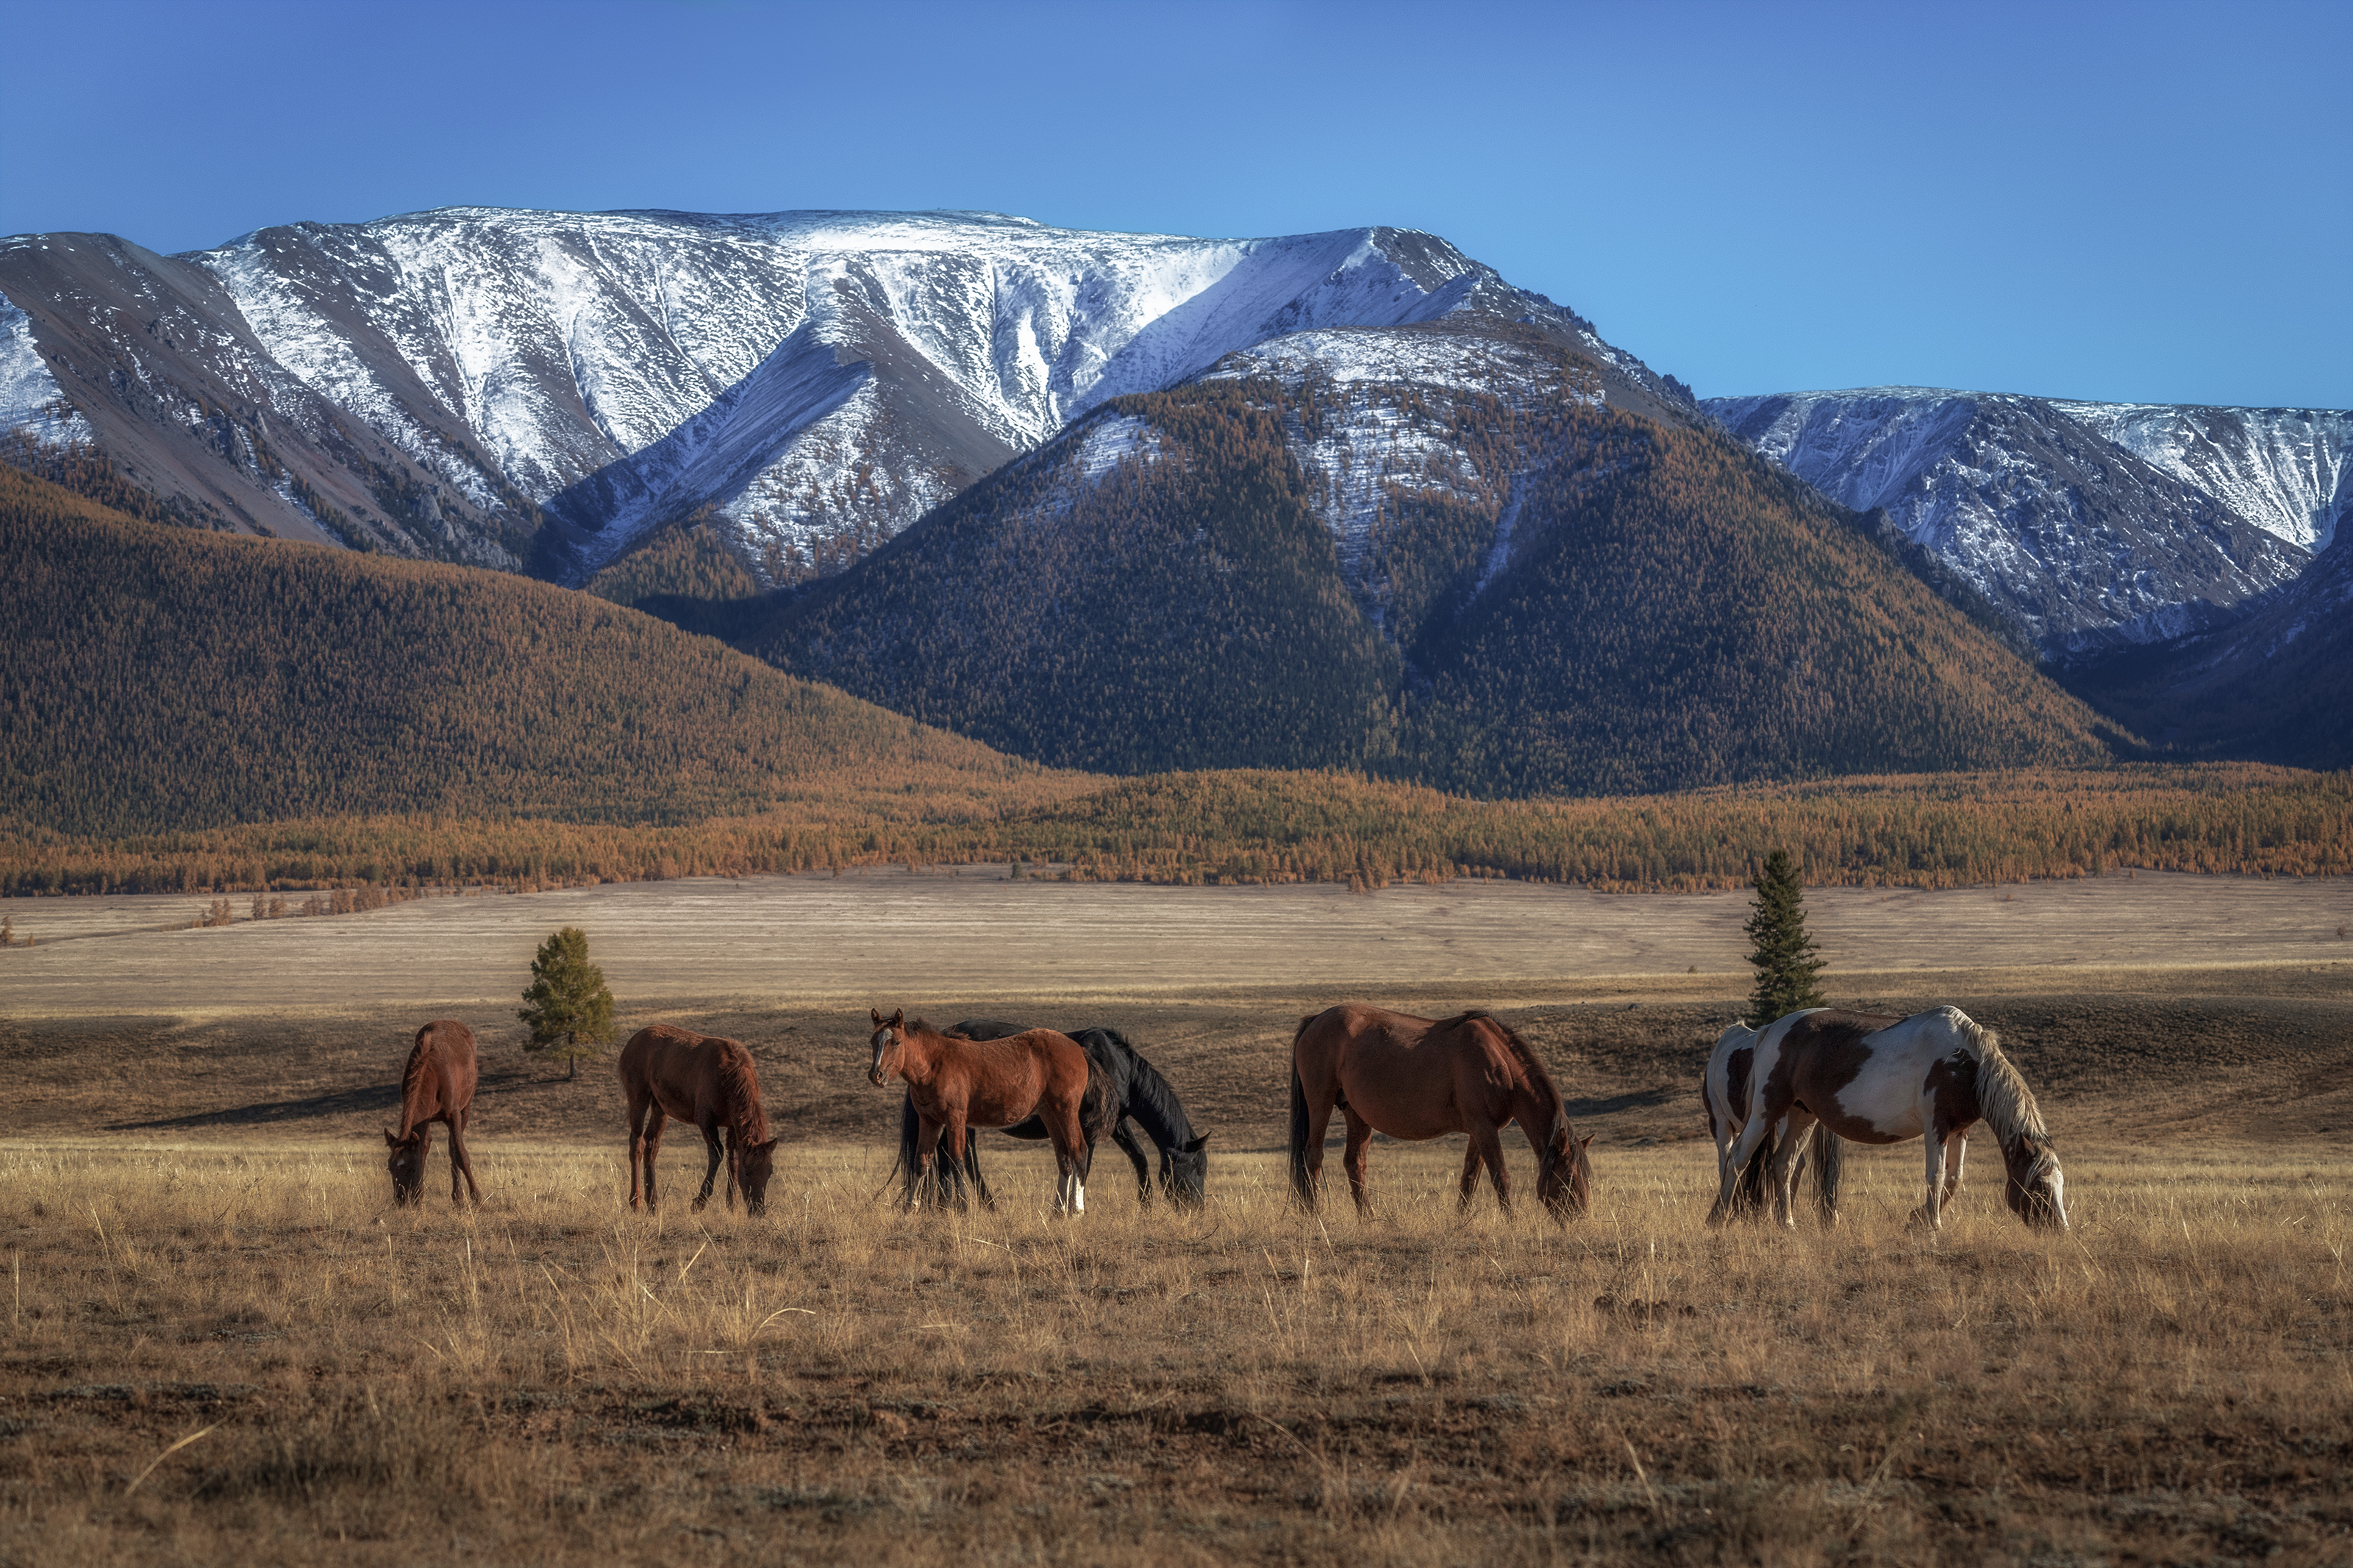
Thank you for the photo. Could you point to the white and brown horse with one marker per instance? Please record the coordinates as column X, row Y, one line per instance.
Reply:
column 1724, row 1095
column 1873, row 1078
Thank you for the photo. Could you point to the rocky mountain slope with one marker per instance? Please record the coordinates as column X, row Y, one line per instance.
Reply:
column 1436, row 550
column 2091, row 526
column 822, row 378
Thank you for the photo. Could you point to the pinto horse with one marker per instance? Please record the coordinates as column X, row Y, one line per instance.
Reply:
column 1724, row 1095
column 957, row 1084
column 437, row 1085
column 1418, row 1078
column 707, row 1080
column 1876, row 1079
column 1124, row 1086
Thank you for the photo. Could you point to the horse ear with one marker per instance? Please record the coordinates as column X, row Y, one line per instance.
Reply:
column 877, row 1012
column 769, row 1146
column 1195, row 1145
column 389, row 1141
column 1585, row 1141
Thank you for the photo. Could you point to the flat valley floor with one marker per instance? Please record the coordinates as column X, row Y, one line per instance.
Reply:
column 226, row 1344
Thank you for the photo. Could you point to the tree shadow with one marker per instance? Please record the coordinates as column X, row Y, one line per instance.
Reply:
column 1639, row 1100
column 379, row 1099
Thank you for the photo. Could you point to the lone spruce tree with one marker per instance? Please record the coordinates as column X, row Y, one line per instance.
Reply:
column 567, row 1006
column 1783, row 952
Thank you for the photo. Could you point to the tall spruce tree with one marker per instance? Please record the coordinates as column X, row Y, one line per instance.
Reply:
column 1782, row 952
column 568, row 1007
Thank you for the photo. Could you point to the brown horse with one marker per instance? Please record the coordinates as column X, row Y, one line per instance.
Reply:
column 707, row 1080
column 1415, row 1079
column 955, row 1084
column 437, row 1085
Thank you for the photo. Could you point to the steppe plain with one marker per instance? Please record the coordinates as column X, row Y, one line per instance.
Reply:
column 202, row 1251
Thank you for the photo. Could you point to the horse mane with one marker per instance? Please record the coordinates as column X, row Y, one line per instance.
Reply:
column 739, row 1095
column 1539, row 1080
column 412, row 1079
column 1151, row 1099
column 2004, row 1102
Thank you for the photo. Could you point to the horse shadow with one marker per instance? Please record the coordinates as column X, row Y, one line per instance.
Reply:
column 374, row 1098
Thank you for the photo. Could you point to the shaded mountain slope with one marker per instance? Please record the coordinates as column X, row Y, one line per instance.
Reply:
column 153, row 678
column 1484, row 578
column 2272, row 686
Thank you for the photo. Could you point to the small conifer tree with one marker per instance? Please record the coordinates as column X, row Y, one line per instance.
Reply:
column 1783, row 953
column 568, row 1007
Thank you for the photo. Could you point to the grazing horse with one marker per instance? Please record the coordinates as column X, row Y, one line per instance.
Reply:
column 707, row 1080
column 1724, row 1094
column 1129, row 1086
column 1874, row 1079
column 1414, row 1079
column 437, row 1085
column 957, row 1084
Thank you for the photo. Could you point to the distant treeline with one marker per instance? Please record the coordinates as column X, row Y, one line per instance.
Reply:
column 1247, row 827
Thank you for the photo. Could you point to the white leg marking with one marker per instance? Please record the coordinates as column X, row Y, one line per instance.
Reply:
column 1078, row 1194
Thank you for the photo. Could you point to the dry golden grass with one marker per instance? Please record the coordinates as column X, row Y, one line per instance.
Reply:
column 555, row 1380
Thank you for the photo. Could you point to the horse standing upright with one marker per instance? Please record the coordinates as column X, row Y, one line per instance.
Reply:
column 1724, row 1090
column 957, row 1084
column 1127, row 1085
column 1420, row 1078
column 1875, row 1079
column 437, row 1085
column 708, row 1080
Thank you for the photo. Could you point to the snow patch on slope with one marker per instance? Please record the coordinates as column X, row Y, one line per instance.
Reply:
column 2287, row 470
column 30, row 399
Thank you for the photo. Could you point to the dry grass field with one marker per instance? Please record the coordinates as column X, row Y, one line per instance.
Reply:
column 224, row 1344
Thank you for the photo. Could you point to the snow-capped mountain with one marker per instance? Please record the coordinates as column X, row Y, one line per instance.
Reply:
column 823, row 378
column 2092, row 525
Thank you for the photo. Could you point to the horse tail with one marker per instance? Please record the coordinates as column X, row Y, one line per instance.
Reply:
column 1303, row 1184
column 1830, row 1160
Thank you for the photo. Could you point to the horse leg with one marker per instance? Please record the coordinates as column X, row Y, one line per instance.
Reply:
column 1072, row 1157
column 1929, row 1216
column 1470, row 1176
column 927, row 1143
column 1956, row 1149
column 655, row 1123
column 1130, row 1144
column 1487, row 1142
column 1352, row 1160
column 1744, row 1149
column 460, row 1160
column 636, row 1147
column 1319, row 1125
column 1782, row 1172
column 716, row 1151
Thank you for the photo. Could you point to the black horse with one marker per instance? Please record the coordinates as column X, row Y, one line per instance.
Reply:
column 1131, row 1087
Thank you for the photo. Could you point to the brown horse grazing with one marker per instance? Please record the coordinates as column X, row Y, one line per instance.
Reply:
column 437, row 1085
column 707, row 1080
column 955, row 1084
column 1415, row 1079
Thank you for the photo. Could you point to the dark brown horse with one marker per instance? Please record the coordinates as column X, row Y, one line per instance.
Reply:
column 709, row 1081
column 437, row 1085
column 957, row 1084
column 1419, row 1078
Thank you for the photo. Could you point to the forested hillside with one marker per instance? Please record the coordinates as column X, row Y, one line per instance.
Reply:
column 158, row 678
column 1614, row 605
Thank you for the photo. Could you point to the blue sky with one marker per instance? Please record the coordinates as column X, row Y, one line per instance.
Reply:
column 2145, row 201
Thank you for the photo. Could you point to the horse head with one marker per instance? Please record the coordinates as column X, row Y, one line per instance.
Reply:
column 2035, row 1188
column 890, row 1035
column 1564, row 1172
column 1184, row 1172
column 406, row 1163
column 755, row 1163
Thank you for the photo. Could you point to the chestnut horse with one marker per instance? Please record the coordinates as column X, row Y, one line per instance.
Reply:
column 956, row 1084
column 1724, row 1095
column 1419, row 1078
column 1876, row 1079
column 437, row 1085
column 707, row 1080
